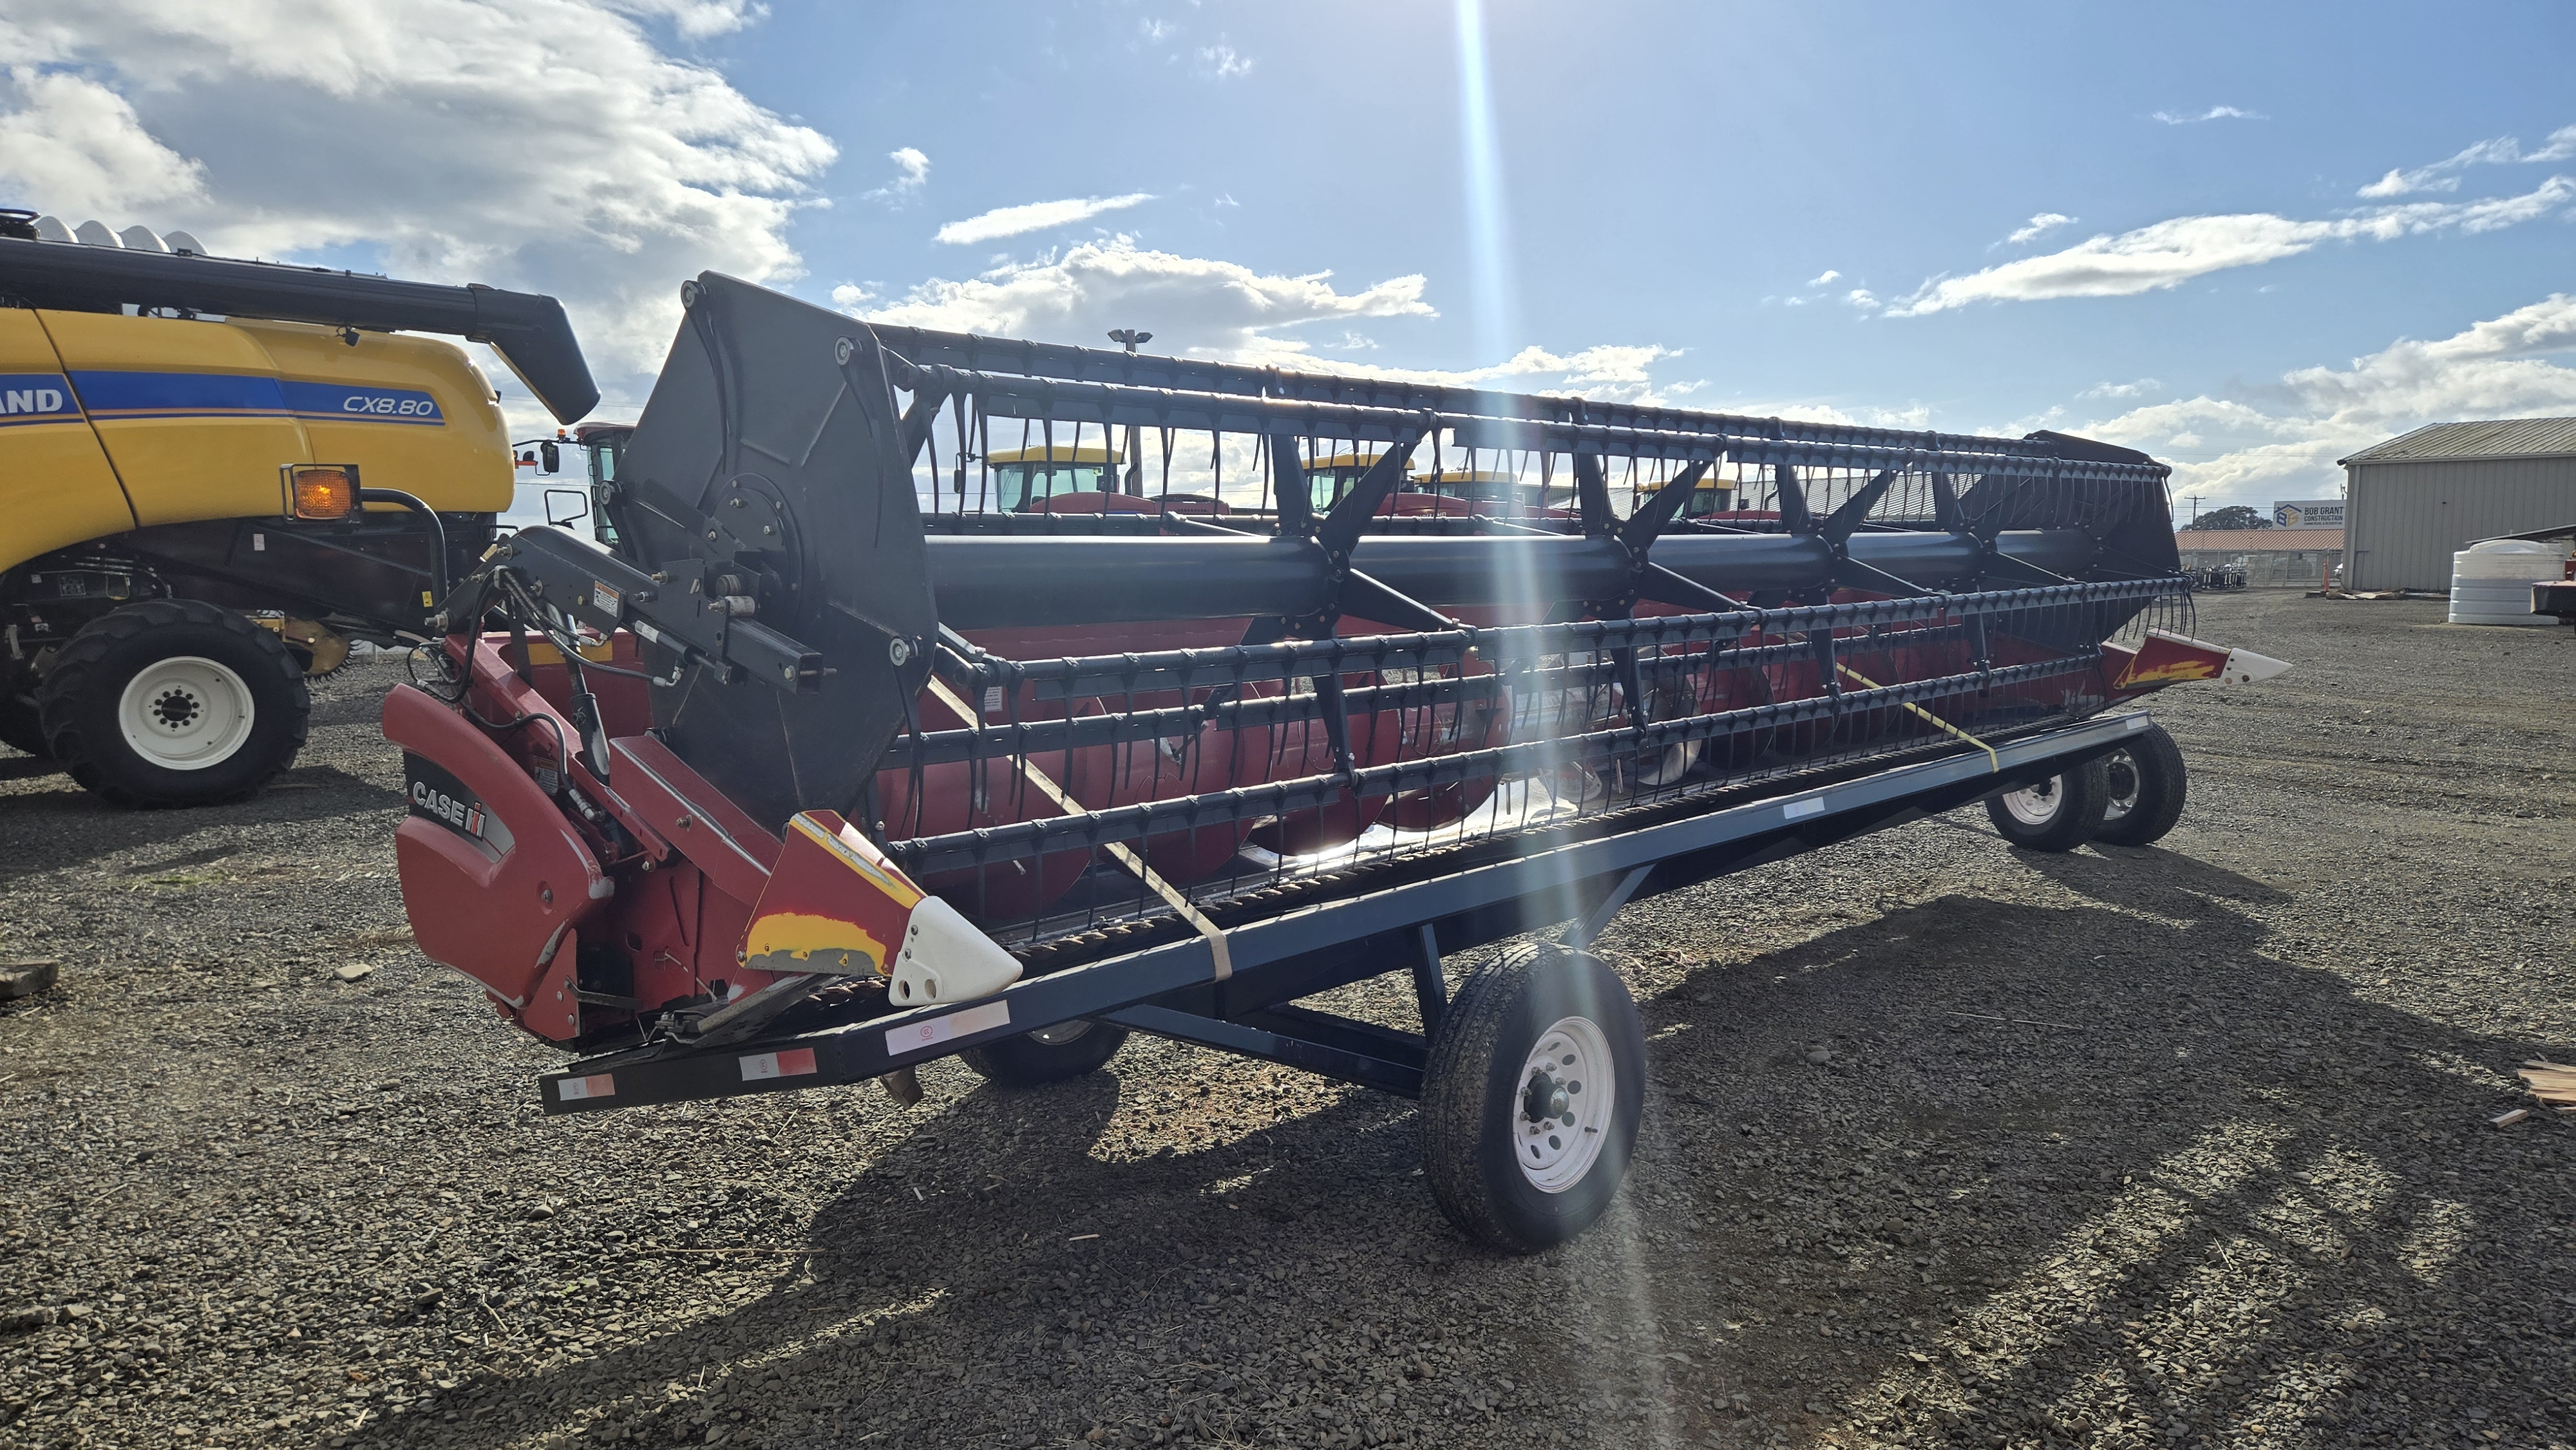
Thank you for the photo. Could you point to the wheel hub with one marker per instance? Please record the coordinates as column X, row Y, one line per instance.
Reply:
column 1566, row 1095
column 2034, row 805
column 186, row 712
column 176, row 708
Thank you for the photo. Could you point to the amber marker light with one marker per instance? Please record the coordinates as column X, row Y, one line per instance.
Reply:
column 321, row 490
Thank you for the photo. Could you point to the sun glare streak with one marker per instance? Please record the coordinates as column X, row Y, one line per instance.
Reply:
column 1487, row 240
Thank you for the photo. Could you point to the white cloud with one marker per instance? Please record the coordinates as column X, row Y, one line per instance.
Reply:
column 2138, row 389
column 1035, row 216
column 2285, row 442
column 2170, row 253
column 71, row 145
column 911, row 171
column 2214, row 113
column 1861, row 297
column 1829, row 278
column 1201, row 307
column 1154, row 31
column 1207, row 307
column 2045, row 222
column 1223, row 62
column 2501, row 151
column 539, row 144
column 697, row 19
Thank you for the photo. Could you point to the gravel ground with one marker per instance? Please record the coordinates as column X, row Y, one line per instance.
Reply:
column 1947, row 1145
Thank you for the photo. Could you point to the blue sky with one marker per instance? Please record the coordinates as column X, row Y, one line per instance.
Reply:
column 2246, row 239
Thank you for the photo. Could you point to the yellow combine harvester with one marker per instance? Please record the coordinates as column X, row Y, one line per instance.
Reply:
column 215, row 475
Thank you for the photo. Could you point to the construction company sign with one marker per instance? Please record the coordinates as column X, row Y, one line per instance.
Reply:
column 2313, row 513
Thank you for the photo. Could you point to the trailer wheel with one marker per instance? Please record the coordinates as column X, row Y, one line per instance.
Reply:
column 2147, row 788
column 1050, row 1054
column 2056, row 814
column 1531, row 1099
column 173, row 702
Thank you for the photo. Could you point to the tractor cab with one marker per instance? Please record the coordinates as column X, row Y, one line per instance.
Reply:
column 1485, row 492
column 1710, row 497
column 1024, row 480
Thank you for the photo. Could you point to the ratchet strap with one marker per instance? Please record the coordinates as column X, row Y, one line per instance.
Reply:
column 1119, row 851
column 1994, row 765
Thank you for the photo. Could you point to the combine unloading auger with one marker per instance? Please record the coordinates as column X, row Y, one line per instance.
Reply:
column 826, row 783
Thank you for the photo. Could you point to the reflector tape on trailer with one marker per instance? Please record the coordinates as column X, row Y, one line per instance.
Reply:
column 794, row 1062
column 1800, row 810
column 2138, row 722
column 597, row 1085
column 939, row 1029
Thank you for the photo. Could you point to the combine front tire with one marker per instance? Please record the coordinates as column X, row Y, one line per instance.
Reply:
column 1531, row 1099
column 2147, row 789
column 18, row 727
column 173, row 702
column 1050, row 1054
column 2056, row 814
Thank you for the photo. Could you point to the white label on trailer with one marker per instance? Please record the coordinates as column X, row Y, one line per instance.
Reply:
column 1800, row 810
column 2137, row 722
column 939, row 1029
column 597, row 1085
column 795, row 1062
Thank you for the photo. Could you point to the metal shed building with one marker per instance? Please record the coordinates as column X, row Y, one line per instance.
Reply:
column 2419, row 497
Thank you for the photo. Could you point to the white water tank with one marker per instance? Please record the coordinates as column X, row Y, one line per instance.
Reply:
column 2491, row 582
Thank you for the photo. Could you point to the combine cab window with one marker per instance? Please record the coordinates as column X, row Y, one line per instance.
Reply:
column 1018, row 485
column 1709, row 501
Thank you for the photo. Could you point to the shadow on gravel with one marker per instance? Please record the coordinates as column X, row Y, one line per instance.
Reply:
column 2078, row 1176
column 67, row 826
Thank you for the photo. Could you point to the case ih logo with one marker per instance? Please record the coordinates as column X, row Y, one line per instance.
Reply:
column 438, row 805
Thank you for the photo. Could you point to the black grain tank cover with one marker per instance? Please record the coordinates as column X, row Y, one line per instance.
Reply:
column 773, row 413
column 529, row 331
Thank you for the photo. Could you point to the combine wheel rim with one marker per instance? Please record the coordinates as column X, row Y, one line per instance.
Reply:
column 186, row 712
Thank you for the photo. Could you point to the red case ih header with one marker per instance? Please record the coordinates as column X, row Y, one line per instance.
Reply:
column 800, row 781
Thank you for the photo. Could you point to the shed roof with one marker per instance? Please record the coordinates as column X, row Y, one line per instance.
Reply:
column 2495, row 438
column 2261, row 541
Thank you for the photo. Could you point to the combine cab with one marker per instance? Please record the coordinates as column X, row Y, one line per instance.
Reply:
column 899, row 784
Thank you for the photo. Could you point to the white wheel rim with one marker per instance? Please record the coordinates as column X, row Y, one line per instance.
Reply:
column 2034, row 805
column 2124, row 798
column 1561, row 1107
column 1061, row 1033
column 186, row 713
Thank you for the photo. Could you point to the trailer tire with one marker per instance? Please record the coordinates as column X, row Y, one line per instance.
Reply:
column 2056, row 814
column 1507, row 1178
column 230, row 695
column 2147, row 787
column 1050, row 1054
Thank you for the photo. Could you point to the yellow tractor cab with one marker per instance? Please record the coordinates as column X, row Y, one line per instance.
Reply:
column 217, row 475
column 1711, row 496
column 1069, row 480
column 1487, row 492
column 1330, row 479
